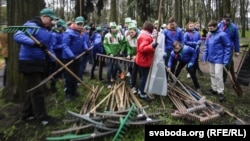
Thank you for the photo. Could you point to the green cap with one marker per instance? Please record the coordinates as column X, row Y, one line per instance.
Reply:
column 134, row 21
column 118, row 27
column 79, row 19
column 48, row 12
column 61, row 23
column 128, row 20
column 98, row 29
column 112, row 25
column 86, row 27
column 132, row 26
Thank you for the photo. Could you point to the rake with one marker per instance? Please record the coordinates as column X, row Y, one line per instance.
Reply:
column 28, row 30
column 123, row 123
column 56, row 72
column 14, row 29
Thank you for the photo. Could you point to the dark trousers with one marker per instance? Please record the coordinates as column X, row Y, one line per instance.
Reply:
column 113, row 68
column 34, row 104
column 83, row 64
column 144, row 71
column 196, row 64
column 230, row 68
column 97, row 61
column 191, row 70
column 52, row 68
column 70, row 81
column 134, row 72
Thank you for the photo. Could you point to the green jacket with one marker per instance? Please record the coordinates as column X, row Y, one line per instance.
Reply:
column 131, row 45
column 112, row 43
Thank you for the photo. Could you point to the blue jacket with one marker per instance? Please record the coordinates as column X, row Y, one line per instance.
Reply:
column 86, row 41
column 73, row 44
column 57, row 43
column 217, row 48
column 28, row 50
column 186, row 55
column 98, row 45
column 232, row 32
column 193, row 39
column 171, row 36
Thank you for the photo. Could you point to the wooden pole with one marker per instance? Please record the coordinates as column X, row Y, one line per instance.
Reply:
column 80, row 7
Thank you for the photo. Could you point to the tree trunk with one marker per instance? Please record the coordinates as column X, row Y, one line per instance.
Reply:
column 226, row 6
column 176, row 13
column 113, row 15
column 18, row 12
column 243, row 18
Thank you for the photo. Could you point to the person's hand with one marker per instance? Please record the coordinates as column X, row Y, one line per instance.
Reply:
column 168, row 69
column 237, row 54
column 133, row 58
column 128, row 57
column 197, row 47
column 199, row 42
column 165, row 55
column 41, row 46
column 203, row 62
column 73, row 58
column 190, row 65
column 155, row 45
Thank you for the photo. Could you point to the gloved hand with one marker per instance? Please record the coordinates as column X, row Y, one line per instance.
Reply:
column 155, row 45
column 165, row 55
column 111, row 55
column 190, row 65
column 42, row 46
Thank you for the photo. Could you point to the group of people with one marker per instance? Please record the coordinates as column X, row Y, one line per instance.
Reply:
column 221, row 43
column 59, row 42
column 69, row 40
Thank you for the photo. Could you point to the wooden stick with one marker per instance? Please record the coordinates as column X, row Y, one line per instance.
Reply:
column 56, row 72
column 60, row 62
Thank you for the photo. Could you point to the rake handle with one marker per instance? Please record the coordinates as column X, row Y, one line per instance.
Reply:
column 56, row 72
column 60, row 62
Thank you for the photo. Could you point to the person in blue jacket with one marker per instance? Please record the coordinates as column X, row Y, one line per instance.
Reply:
column 172, row 33
column 217, row 51
column 192, row 38
column 72, row 47
column 186, row 56
column 85, row 58
column 97, row 41
column 57, row 45
column 227, row 26
column 33, row 64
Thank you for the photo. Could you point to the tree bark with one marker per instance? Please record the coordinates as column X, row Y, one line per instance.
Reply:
column 18, row 12
column 113, row 15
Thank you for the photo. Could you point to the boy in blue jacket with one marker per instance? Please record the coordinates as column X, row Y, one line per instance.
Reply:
column 97, row 42
column 217, row 51
column 73, row 46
